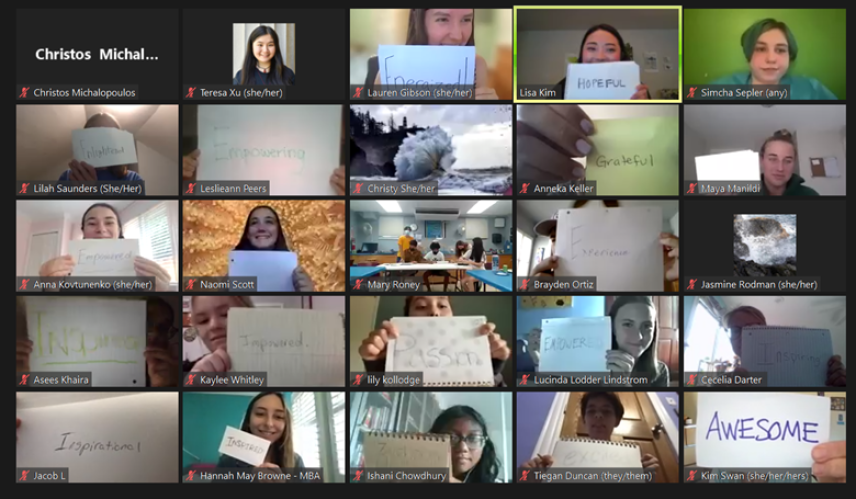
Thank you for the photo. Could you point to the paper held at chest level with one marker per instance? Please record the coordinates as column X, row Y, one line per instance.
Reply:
column 419, row 65
column 789, row 356
column 104, row 257
column 130, row 437
column 585, row 453
column 729, row 167
column 601, row 81
column 102, row 147
column 406, row 451
column 760, row 430
column 295, row 147
column 619, row 246
column 244, row 447
column 294, row 347
column 575, row 344
column 104, row 336
column 273, row 270
column 447, row 350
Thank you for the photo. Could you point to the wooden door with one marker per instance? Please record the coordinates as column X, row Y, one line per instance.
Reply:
column 637, row 426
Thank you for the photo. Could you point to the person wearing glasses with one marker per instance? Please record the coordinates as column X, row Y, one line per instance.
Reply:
column 602, row 413
column 163, row 343
column 474, row 457
column 670, row 243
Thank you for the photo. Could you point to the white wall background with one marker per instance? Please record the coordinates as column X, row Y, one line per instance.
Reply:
column 240, row 38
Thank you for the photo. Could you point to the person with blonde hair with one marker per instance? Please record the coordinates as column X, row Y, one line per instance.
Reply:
column 209, row 315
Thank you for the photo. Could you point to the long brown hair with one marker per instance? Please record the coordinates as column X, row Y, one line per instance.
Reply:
column 647, row 361
column 418, row 35
column 459, row 252
column 284, row 457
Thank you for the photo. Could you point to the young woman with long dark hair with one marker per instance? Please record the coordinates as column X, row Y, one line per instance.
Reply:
column 263, row 63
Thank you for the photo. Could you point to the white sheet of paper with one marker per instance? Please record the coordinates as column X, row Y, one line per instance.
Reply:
column 244, row 446
column 830, row 167
column 104, row 257
column 586, row 453
column 787, row 424
column 619, row 246
column 729, row 167
column 602, row 81
column 449, row 351
column 101, row 147
column 125, row 437
column 295, row 147
column 104, row 336
column 411, row 65
column 396, row 450
column 294, row 347
column 274, row 270
column 790, row 356
column 575, row 344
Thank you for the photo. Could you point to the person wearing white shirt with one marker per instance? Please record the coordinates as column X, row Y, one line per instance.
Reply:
column 475, row 256
column 435, row 255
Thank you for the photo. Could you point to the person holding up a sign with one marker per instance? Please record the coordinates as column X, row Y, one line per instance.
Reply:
column 373, row 348
column 770, row 47
column 548, row 136
column 603, row 43
column 440, row 27
column 635, row 336
column 190, row 164
column 210, row 316
column 670, row 243
column 601, row 413
column 746, row 316
column 101, row 221
column 263, row 232
column 268, row 417
column 263, row 64
column 84, row 172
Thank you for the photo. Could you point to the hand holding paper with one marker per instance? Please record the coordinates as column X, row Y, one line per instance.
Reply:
column 101, row 146
column 104, row 257
column 244, row 447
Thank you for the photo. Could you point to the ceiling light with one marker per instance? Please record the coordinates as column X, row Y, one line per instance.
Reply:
column 390, row 206
column 480, row 207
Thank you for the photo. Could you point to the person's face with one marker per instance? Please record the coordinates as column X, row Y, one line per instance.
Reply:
column 435, row 250
column 267, row 419
column 601, row 46
column 431, row 306
column 778, row 163
column 449, row 26
column 263, row 230
column 264, row 48
column 736, row 322
column 468, row 441
column 159, row 326
column 209, row 316
column 770, row 59
column 100, row 223
column 600, row 418
column 634, row 328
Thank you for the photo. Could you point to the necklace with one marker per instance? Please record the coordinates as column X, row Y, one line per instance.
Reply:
column 263, row 70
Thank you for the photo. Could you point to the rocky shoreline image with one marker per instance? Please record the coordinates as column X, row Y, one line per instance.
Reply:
column 765, row 245
column 466, row 149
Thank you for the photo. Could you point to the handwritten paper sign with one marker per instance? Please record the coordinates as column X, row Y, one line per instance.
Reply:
column 406, row 450
column 295, row 147
column 449, row 351
column 273, row 270
column 739, row 166
column 126, row 437
column 244, row 447
column 789, row 356
column 587, row 453
column 760, row 430
column 635, row 157
column 575, row 344
column 105, row 336
column 412, row 65
column 101, row 147
column 104, row 257
column 601, row 81
column 620, row 246
column 294, row 347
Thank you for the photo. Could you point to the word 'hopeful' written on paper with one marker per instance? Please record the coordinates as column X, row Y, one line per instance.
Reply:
column 604, row 81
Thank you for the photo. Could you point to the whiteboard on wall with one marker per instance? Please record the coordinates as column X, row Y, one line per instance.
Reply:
column 476, row 227
column 391, row 227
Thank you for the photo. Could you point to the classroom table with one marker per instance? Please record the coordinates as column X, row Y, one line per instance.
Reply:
column 448, row 266
column 490, row 277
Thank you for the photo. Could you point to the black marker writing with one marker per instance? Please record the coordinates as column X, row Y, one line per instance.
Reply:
column 586, row 83
column 636, row 160
column 96, row 446
column 769, row 356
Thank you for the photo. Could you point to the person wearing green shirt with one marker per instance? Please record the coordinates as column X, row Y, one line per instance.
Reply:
column 778, row 157
column 770, row 48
